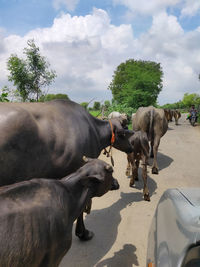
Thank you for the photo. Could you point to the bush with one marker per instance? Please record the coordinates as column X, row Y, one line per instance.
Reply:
column 50, row 97
column 122, row 108
column 95, row 113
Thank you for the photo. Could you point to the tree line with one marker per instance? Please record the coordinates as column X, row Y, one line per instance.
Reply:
column 134, row 83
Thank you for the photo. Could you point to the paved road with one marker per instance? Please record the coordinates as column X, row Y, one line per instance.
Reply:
column 121, row 219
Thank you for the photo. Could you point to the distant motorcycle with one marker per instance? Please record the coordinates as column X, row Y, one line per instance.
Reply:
column 193, row 118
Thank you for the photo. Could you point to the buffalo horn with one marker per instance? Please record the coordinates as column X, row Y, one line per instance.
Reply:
column 109, row 168
column 85, row 159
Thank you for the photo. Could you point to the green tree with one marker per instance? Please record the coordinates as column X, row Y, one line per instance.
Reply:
column 85, row 105
column 176, row 105
column 97, row 106
column 50, row 97
column 190, row 99
column 137, row 83
column 31, row 74
column 107, row 104
column 4, row 94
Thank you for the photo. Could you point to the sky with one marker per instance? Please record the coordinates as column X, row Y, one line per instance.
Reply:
column 85, row 40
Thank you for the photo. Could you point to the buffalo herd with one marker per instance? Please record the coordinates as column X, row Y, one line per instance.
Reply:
column 50, row 172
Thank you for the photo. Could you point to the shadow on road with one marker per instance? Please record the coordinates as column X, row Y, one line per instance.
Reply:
column 104, row 223
column 152, row 185
column 124, row 257
column 163, row 161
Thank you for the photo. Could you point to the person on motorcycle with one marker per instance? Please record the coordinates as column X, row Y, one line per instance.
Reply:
column 192, row 111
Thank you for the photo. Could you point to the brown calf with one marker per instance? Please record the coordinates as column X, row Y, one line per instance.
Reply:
column 168, row 114
column 176, row 115
column 140, row 152
column 152, row 121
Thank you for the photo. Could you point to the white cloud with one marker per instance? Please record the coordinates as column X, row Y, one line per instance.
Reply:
column 69, row 4
column 150, row 8
column 190, row 8
column 147, row 7
column 85, row 51
column 178, row 53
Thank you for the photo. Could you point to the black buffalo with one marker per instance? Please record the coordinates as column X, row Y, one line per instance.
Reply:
column 49, row 140
column 140, row 153
column 37, row 216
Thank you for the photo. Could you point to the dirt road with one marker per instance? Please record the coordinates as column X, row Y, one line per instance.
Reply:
column 121, row 219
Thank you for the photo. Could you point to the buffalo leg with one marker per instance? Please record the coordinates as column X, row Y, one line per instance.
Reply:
column 176, row 121
column 137, row 162
column 144, row 176
column 155, row 151
column 134, row 171
column 128, row 168
column 105, row 152
column 152, row 151
column 80, row 231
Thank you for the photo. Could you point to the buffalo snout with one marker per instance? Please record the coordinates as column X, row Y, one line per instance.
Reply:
column 114, row 185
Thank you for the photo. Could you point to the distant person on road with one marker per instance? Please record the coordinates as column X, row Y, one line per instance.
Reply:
column 192, row 111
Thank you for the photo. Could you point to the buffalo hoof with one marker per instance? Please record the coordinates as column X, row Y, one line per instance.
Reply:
column 147, row 197
column 87, row 235
column 154, row 170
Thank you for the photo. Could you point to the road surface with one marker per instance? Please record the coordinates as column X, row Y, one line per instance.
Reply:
column 121, row 219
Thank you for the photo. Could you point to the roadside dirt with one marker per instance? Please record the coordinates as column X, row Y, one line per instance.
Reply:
column 121, row 219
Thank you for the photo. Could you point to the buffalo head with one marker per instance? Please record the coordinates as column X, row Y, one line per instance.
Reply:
column 98, row 176
column 122, row 137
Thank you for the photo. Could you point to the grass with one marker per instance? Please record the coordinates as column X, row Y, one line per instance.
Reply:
column 95, row 113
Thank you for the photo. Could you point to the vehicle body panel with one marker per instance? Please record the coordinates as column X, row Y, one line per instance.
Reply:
column 175, row 227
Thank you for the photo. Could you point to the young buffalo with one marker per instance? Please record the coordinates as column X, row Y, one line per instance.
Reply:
column 37, row 216
column 140, row 152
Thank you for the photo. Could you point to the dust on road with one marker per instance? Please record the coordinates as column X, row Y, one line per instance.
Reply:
column 121, row 219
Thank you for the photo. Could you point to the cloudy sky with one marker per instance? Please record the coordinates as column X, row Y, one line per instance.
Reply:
column 85, row 40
